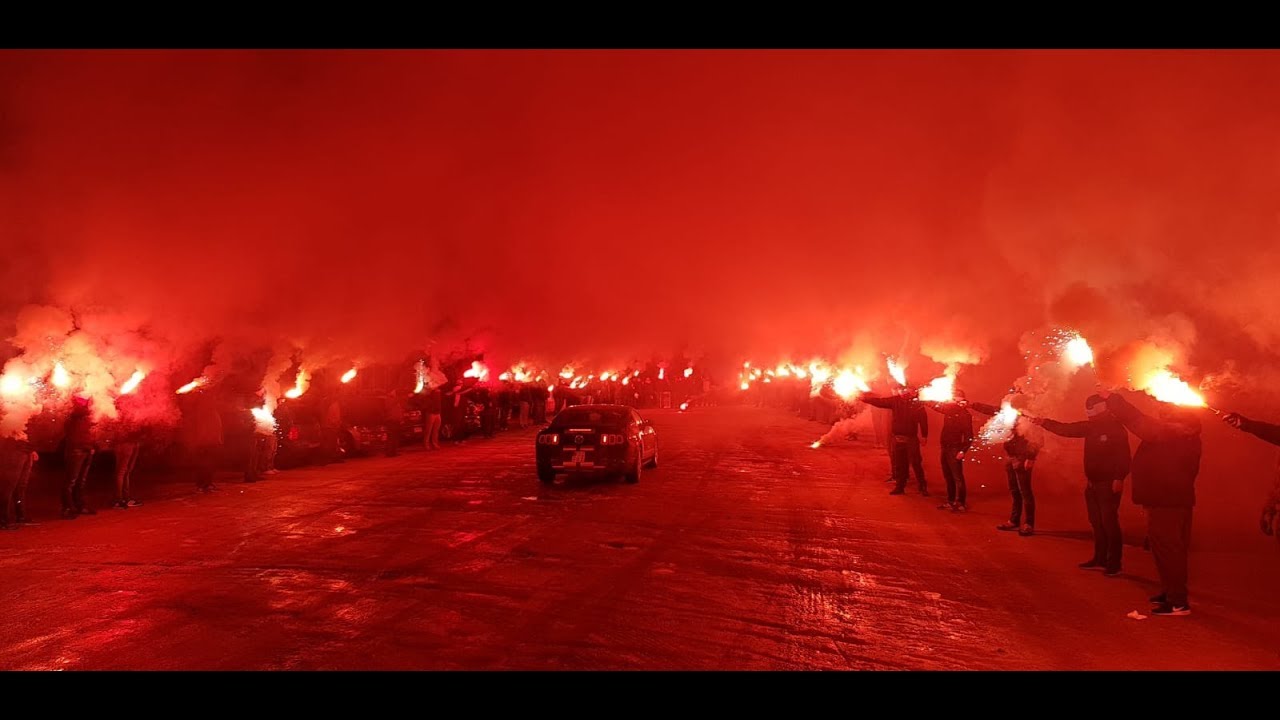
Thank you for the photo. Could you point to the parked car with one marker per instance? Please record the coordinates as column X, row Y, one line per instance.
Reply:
column 596, row 440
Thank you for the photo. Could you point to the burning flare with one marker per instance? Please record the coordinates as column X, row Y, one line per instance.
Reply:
column 1167, row 387
column 684, row 406
column 192, row 385
column 1077, row 352
column 899, row 372
column 11, row 384
column 688, row 371
column 940, row 389
column 662, row 373
column 132, row 383
column 478, row 371
column 349, row 375
column 420, row 368
column 300, row 384
column 61, row 378
column 999, row 427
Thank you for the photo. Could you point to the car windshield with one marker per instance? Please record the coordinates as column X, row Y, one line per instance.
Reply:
column 581, row 417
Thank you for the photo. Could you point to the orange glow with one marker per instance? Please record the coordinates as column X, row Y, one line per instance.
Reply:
column 1167, row 387
column 745, row 385
column 662, row 373
column 567, row 372
column 349, row 375
column 684, row 406
column 61, row 378
column 262, row 417
column 1001, row 426
column 626, row 380
column 847, row 384
column 11, row 384
column 688, row 371
column 940, row 389
column 816, row 444
column 421, row 369
column 132, row 383
column 898, row 372
column 300, row 385
column 478, row 371
column 192, row 385
column 1077, row 352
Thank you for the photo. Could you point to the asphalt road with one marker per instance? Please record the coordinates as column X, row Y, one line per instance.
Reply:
column 745, row 549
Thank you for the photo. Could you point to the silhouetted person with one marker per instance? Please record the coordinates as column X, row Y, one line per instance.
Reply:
column 202, row 436
column 432, row 409
column 127, row 448
column 1270, row 520
column 1164, row 470
column 1106, row 464
column 79, row 457
column 17, row 458
column 909, row 428
column 954, row 440
column 331, row 428
column 1020, row 459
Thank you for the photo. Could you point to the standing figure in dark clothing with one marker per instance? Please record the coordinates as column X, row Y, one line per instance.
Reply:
column 17, row 458
column 1270, row 520
column 1020, row 459
column 202, row 439
column 79, row 457
column 433, row 409
column 909, row 430
column 127, row 449
column 955, row 439
column 1106, row 464
column 1164, row 469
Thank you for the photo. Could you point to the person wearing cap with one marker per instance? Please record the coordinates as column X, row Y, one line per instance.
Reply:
column 909, row 429
column 955, row 439
column 1164, row 471
column 1270, row 520
column 1106, row 464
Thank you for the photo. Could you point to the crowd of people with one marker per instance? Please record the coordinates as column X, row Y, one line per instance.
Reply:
column 1162, row 470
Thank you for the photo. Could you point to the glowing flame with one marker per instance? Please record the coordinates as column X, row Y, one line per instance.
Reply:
column 626, row 380
column 1077, row 352
column 420, row 368
column 1001, row 425
column 662, row 373
column 688, row 372
column 504, row 376
column 551, row 388
column 477, row 371
column 300, row 385
column 816, row 444
column 635, row 374
column 132, row 383
column 61, row 378
column 349, row 375
column 604, row 376
column 684, row 406
column 745, row 385
column 567, row 373
column 192, row 385
column 1167, row 387
column 940, row 389
column 262, row 417
column 847, row 384
column 11, row 384
column 899, row 372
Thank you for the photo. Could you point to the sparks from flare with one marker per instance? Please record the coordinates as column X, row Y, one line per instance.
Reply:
column 999, row 427
column 899, row 372
column 132, row 383
column 300, row 385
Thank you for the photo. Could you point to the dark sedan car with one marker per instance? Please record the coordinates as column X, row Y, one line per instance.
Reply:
column 596, row 440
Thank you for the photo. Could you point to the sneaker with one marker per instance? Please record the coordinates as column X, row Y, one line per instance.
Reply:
column 69, row 514
column 88, row 511
column 1160, row 599
column 1027, row 530
column 1171, row 609
column 272, row 471
column 1006, row 526
column 946, row 506
column 959, row 507
column 132, row 503
column 896, row 491
column 924, row 493
column 120, row 505
column 1111, row 572
column 1091, row 565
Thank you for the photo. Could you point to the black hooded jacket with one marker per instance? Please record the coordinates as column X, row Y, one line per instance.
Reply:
column 1168, row 458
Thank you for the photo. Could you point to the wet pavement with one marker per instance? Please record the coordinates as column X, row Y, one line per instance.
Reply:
column 745, row 549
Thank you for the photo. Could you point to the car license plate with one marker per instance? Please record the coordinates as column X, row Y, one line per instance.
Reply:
column 579, row 457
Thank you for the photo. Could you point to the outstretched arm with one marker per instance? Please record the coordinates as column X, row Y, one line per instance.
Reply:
column 1265, row 431
column 880, row 402
column 1071, row 429
column 1141, row 424
column 984, row 408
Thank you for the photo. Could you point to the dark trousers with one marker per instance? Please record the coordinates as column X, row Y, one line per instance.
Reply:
column 78, row 462
column 1024, row 501
column 905, row 453
column 202, row 463
column 126, row 461
column 1169, row 529
column 16, row 473
column 540, row 411
column 1103, row 504
column 953, row 473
